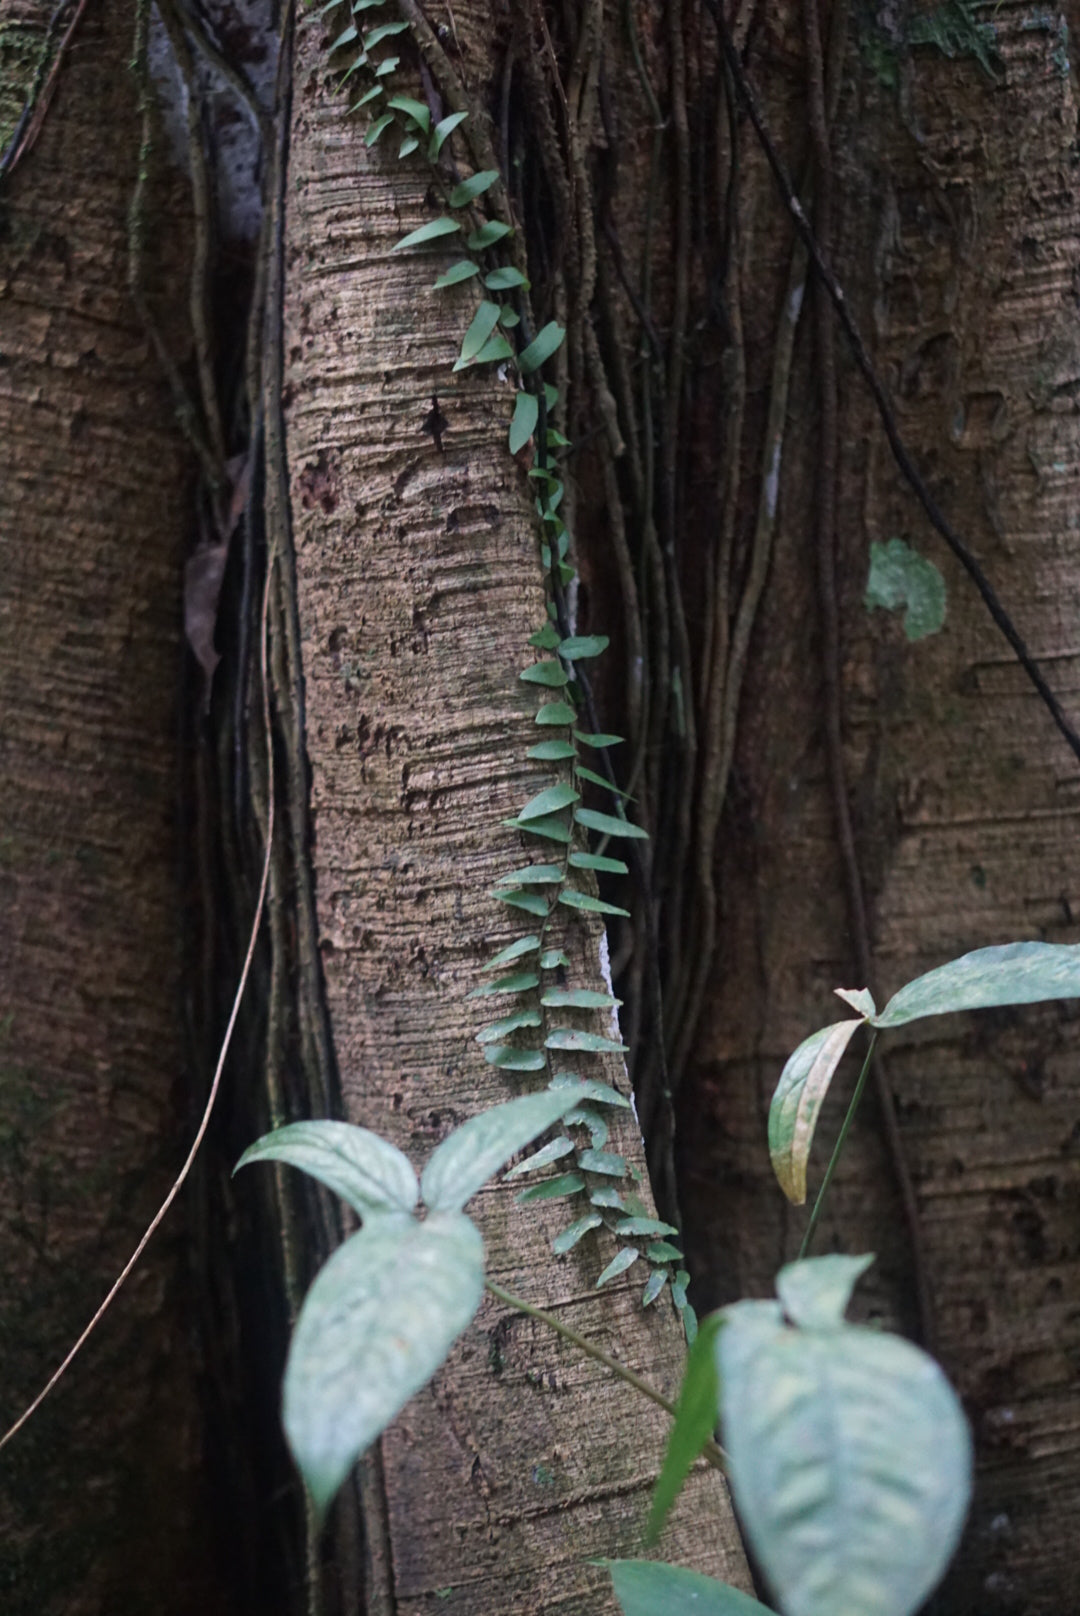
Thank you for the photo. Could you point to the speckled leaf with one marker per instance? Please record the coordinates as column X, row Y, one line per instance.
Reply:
column 850, row 1461
column 368, row 1172
column 1012, row 973
column 797, row 1102
column 378, row 1321
column 465, row 1161
column 584, row 1042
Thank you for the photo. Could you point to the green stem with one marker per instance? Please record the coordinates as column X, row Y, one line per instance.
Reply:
column 837, row 1148
column 712, row 1451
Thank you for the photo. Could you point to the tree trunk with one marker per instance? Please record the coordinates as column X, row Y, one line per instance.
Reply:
column 103, row 1501
column 418, row 585
column 957, row 224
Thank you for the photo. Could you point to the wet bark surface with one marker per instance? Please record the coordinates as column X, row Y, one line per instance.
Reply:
column 101, row 1496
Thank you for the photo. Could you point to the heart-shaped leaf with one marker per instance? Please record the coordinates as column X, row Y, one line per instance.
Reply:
column 369, row 1173
column 379, row 1320
column 850, row 1459
column 465, row 1161
column 796, row 1104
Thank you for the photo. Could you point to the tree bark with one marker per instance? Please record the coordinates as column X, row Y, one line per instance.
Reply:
column 102, row 1504
column 954, row 182
column 418, row 586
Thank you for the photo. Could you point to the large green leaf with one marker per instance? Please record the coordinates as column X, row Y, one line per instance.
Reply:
column 379, row 1320
column 369, row 1173
column 649, row 1588
column 1014, row 973
column 696, row 1417
column 850, row 1459
column 465, row 1161
column 797, row 1102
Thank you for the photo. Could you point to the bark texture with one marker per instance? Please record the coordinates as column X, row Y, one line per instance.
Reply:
column 101, row 1497
column 418, row 586
column 958, row 183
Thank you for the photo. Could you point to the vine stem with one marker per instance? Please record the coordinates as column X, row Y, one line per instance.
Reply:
column 712, row 1451
column 841, row 1138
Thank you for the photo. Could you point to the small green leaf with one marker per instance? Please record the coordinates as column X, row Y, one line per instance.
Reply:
column 597, row 740
column 578, row 999
column 505, row 279
column 568, row 1239
column 641, row 1225
column 523, row 425
column 556, row 712
column 495, row 349
column 606, row 1196
column 427, row 232
column 369, row 1173
column 551, row 395
column 508, row 317
column 554, row 1151
column 861, row 1000
column 544, row 344
column 534, row 875
column 376, row 127
column 900, row 578
column 507, row 984
column 496, row 1031
column 551, row 751
column 483, row 323
column 365, row 5
column 551, row 829
column 584, row 1042
column 531, row 903
column 385, row 29
column 604, row 1162
column 591, row 1089
column 513, row 1060
column 650, row 1588
column 473, row 1153
column 621, row 1261
column 550, row 673
column 549, row 801
column 608, row 825
column 386, row 66
column 552, row 958
column 344, row 38
column 590, row 905
column 416, row 110
column 662, row 1251
column 584, row 1117
column 513, row 951
column 372, row 95
column 442, row 130
column 553, row 1189
column 596, row 861
column 408, row 146
column 375, row 1326
column 546, row 638
column 797, row 1101
column 1012, row 973
column 463, row 270
column 601, row 780
column 696, row 1417
column 474, row 186
column 487, row 235
column 581, row 646
column 655, row 1284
